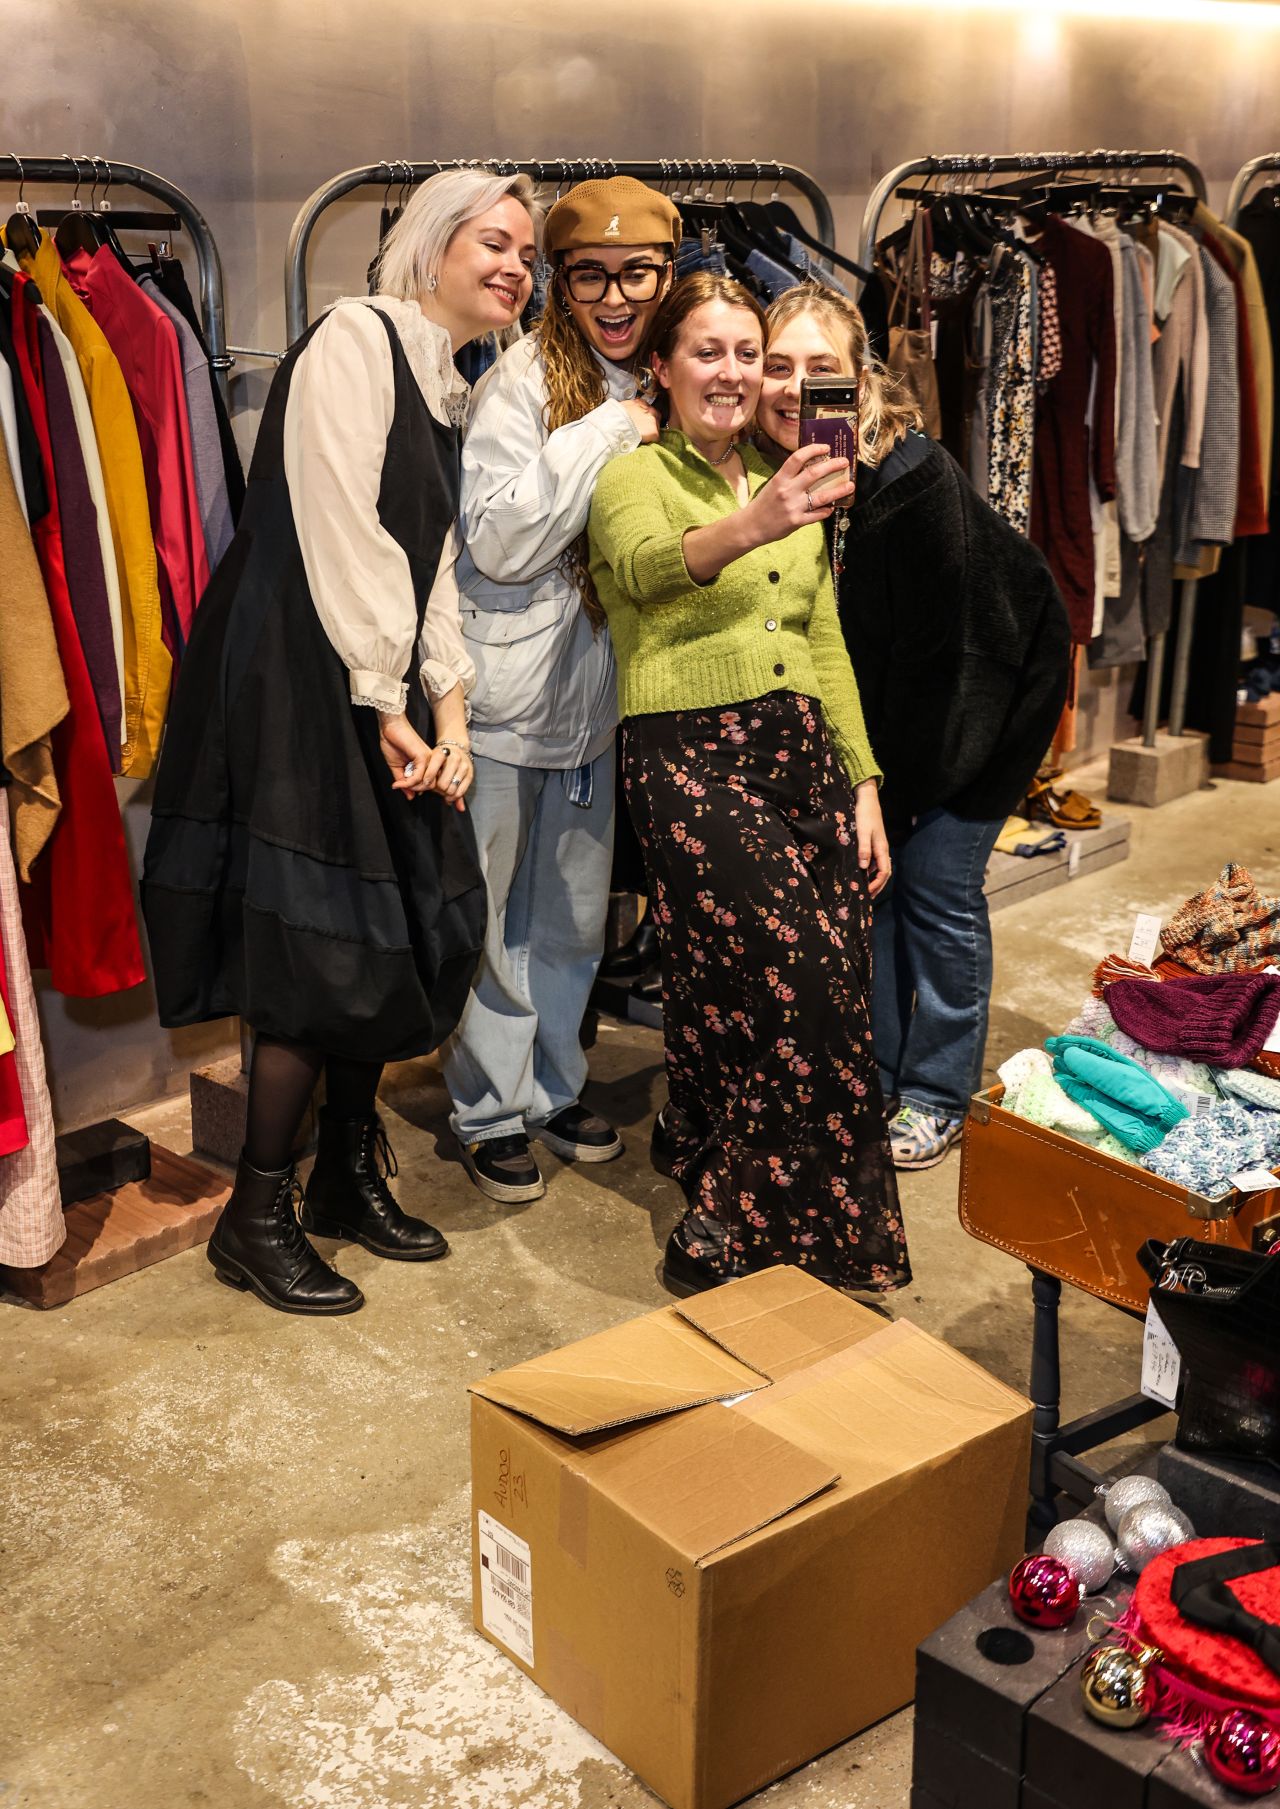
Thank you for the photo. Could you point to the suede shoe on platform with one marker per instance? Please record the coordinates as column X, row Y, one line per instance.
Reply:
column 577, row 1135
column 347, row 1194
column 258, row 1244
column 504, row 1169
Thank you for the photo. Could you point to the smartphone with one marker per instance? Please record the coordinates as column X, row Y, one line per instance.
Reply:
column 829, row 417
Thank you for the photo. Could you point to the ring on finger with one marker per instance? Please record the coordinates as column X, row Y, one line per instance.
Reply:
column 808, row 499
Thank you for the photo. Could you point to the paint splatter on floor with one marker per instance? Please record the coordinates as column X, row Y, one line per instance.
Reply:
column 435, row 1716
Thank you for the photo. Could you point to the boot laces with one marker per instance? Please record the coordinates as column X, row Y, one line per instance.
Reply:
column 292, row 1238
column 379, row 1153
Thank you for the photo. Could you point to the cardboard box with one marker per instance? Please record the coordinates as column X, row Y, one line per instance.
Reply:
column 717, row 1534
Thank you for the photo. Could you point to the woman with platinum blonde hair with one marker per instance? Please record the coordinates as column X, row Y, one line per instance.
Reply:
column 311, row 867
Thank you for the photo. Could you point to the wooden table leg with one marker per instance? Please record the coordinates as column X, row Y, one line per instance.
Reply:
column 1046, row 1395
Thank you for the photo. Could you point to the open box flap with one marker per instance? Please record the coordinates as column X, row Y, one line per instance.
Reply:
column 896, row 1402
column 636, row 1371
column 704, row 1479
column 780, row 1320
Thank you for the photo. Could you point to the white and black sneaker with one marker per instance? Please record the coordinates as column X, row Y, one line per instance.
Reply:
column 504, row 1168
column 577, row 1135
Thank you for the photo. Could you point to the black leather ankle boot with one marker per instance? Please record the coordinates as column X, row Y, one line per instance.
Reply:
column 347, row 1195
column 258, row 1244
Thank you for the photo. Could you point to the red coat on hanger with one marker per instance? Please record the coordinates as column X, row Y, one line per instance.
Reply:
column 78, row 910
column 145, row 343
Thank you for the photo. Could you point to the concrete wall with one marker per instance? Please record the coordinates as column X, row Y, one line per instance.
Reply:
column 250, row 104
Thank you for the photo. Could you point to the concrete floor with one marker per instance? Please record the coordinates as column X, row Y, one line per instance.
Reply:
column 234, row 1544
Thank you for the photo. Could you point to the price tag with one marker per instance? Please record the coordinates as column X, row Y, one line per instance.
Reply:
column 1254, row 1180
column 1073, row 859
column 1161, row 1364
column 1146, row 939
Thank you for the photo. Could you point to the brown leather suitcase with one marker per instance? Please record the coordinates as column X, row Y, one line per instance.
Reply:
column 1064, row 1208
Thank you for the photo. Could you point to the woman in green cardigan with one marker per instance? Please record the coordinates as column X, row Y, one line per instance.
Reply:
column 746, row 766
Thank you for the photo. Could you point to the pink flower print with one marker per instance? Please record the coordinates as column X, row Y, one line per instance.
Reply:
column 790, row 935
column 678, row 832
column 693, row 846
column 706, row 902
column 729, row 718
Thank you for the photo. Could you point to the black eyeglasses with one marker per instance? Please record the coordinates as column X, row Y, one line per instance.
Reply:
column 592, row 282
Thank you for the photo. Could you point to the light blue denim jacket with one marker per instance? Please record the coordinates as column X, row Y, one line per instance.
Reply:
column 546, row 691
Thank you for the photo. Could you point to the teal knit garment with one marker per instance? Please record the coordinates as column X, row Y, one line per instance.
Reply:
column 1122, row 1096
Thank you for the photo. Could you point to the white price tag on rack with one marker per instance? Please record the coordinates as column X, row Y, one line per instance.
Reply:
column 1146, row 939
column 1161, row 1364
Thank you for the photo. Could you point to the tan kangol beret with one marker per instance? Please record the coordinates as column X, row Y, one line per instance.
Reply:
column 616, row 211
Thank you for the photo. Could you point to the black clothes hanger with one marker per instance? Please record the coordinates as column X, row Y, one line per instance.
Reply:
column 784, row 217
column 21, row 233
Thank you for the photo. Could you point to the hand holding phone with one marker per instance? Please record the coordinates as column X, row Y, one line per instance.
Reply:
column 829, row 418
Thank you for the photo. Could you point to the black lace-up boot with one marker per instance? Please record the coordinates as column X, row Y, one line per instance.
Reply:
column 347, row 1195
column 258, row 1244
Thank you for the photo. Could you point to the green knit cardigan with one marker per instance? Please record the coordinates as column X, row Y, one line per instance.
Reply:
column 767, row 623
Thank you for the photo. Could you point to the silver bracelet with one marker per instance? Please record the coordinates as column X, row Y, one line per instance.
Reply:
column 463, row 747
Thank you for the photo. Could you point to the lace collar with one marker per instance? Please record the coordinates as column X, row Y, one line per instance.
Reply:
column 430, row 354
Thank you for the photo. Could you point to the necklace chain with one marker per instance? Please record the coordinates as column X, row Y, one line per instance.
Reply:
column 724, row 460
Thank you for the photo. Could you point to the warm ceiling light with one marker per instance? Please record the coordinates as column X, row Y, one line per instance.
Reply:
column 1259, row 15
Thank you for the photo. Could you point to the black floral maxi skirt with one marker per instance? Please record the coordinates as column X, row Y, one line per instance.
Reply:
column 746, row 819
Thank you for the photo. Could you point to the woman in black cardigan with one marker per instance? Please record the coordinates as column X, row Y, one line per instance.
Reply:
column 960, row 643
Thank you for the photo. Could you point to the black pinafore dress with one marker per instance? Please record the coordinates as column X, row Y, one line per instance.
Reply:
column 285, row 882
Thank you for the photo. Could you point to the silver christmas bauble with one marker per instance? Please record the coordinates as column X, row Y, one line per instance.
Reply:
column 1149, row 1529
column 1086, row 1551
column 1127, row 1492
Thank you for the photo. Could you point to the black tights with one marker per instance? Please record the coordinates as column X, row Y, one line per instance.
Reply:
column 282, row 1078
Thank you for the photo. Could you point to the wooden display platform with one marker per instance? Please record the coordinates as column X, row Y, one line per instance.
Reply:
column 1013, row 877
column 116, row 1234
column 1255, row 747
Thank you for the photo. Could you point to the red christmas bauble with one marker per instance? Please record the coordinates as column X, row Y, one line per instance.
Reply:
column 1243, row 1752
column 1043, row 1592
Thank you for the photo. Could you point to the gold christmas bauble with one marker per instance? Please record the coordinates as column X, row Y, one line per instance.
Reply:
column 1117, row 1687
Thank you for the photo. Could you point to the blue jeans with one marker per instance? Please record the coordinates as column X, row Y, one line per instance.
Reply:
column 931, row 964
column 516, row 1058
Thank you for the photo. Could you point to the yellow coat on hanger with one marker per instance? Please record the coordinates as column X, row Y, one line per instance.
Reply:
column 147, row 662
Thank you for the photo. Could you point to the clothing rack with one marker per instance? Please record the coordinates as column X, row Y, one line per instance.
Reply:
column 131, row 175
column 1053, row 163
column 1244, row 180
column 1056, row 163
column 697, row 173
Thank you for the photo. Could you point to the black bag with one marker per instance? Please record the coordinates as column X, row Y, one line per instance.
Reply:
column 1221, row 1307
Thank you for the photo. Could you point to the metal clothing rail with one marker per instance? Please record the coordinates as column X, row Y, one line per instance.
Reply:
column 79, row 170
column 1022, row 163
column 1056, row 163
column 1245, row 179
column 700, row 172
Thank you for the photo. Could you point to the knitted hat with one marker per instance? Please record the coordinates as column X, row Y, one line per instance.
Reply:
column 1220, row 1018
column 616, row 211
column 1230, row 928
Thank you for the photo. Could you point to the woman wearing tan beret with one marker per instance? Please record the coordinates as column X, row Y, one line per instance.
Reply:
column 545, row 421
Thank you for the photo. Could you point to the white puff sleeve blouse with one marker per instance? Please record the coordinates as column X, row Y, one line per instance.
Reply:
column 339, row 412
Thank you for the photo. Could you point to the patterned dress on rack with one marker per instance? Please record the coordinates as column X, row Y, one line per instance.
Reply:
column 1012, row 391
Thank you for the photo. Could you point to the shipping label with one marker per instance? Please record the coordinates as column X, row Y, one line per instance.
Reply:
column 506, row 1586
